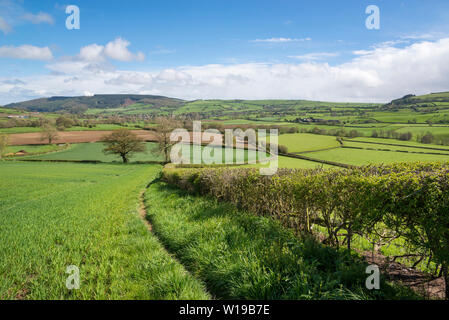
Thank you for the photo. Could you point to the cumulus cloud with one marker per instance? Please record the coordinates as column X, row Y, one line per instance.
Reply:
column 38, row 18
column 26, row 52
column 95, row 58
column 118, row 50
column 378, row 75
column 281, row 40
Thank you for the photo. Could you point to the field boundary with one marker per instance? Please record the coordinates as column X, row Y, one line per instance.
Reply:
column 84, row 161
column 325, row 149
column 403, row 151
column 396, row 145
column 332, row 163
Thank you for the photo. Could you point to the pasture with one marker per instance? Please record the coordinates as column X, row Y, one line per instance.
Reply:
column 94, row 152
column 358, row 157
column 305, row 142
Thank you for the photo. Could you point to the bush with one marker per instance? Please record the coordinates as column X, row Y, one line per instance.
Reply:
column 408, row 200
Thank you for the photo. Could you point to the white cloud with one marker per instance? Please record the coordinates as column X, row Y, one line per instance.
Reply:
column 93, row 52
column 95, row 58
column 4, row 26
column 38, row 18
column 315, row 56
column 378, row 75
column 118, row 50
column 26, row 52
column 14, row 14
column 281, row 40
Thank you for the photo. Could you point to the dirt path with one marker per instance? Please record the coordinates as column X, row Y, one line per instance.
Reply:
column 143, row 211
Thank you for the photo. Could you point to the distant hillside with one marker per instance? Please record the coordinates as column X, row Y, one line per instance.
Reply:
column 101, row 101
column 433, row 99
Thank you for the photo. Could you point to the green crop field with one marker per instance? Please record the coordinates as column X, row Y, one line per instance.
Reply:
column 392, row 148
column 55, row 215
column 291, row 163
column 94, row 152
column 20, row 130
column 303, row 142
column 364, row 157
column 387, row 142
column 31, row 149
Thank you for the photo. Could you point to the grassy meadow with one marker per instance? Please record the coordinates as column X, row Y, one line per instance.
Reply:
column 94, row 152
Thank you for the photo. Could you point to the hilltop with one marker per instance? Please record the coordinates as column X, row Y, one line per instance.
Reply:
column 102, row 101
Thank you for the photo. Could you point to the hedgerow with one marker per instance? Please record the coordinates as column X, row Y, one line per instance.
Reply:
column 379, row 203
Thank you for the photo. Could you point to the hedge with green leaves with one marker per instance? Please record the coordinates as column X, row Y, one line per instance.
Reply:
column 376, row 202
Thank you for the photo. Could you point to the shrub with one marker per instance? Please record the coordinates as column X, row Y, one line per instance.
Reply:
column 408, row 200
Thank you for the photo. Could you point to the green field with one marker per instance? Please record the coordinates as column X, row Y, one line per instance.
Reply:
column 392, row 148
column 304, row 142
column 98, row 127
column 388, row 142
column 292, row 163
column 32, row 149
column 364, row 157
column 55, row 215
column 94, row 152
column 20, row 130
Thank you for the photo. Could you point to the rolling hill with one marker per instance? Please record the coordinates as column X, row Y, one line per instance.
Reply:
column 101, row 101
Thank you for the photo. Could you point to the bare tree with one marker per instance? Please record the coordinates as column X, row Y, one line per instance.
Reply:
column 163, row 130
column 124, row 143
column 49, row 133
column 4, row 142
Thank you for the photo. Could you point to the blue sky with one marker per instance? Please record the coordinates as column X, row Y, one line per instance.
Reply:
column 162, row 47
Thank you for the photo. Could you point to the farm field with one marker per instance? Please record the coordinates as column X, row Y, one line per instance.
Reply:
column 33, row 148
column 365, row 157
column 70, row 137
column 392, row 148
column 94, row 152
column 398, row 142
column 304, row 142
column 99, row 127
column 54, row 215
column 292, row 163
